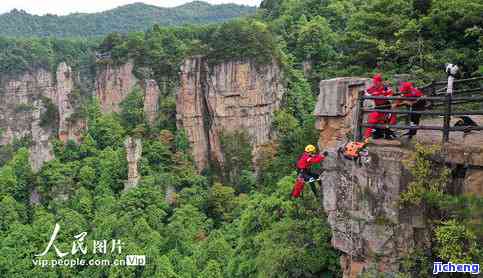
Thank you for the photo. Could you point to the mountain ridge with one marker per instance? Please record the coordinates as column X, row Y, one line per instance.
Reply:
column 127, row 18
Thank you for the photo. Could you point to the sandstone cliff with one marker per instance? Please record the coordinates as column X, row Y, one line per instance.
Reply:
column 362, row 202
column 235, row 95
column 114, row 83
column 335, row 108
column 36, row 105
column 362, row 206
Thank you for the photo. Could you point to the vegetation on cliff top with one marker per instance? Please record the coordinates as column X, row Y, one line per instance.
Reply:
column 18, row 56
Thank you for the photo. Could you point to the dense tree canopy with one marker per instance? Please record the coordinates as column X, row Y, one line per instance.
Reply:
column 210, row 231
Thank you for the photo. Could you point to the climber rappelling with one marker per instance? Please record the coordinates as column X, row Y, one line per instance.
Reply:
column 305, row 175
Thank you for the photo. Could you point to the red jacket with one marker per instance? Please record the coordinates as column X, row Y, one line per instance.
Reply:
column 380, row 92
column 306, row 160
column 414, row 92
column 408, row 90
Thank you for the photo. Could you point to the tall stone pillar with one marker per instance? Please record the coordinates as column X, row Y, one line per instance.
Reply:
column 133, row 155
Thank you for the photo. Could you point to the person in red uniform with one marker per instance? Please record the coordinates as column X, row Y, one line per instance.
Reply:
column 379, row 90
column 408, row 90
column 304, row 162
column 376, row 133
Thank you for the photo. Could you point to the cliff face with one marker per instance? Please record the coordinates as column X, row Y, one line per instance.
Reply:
column 362, row 202
column 335, row 108
column 362, row 205
column 113, row 85
column 151, row 100
column 26, row 101
column 40, row 106
column 230, row 96
column 69, row 128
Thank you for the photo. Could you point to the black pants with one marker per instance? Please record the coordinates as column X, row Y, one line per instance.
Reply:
column 306, row 175
column 415, row 119
column 382, row 132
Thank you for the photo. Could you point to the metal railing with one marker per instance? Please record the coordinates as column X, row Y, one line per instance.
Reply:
column 437, row 98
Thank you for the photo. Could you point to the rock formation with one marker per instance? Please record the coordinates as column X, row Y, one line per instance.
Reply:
column 134, row 150
column 25, row 101
column 114, row 83
column 151, row 101
column 69, row 128
column 362, row 205
column 27, row 98
column 362, row 202
column 335, row 108
column 230, row 96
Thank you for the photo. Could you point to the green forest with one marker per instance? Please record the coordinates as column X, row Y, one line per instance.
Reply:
column 124, row 19
column 220, row 224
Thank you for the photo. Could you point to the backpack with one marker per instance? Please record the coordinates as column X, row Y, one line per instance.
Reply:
column 355, row 151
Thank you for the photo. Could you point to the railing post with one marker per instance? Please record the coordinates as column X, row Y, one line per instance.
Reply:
column 359, row 116
column 447, row 117
column 451, row 70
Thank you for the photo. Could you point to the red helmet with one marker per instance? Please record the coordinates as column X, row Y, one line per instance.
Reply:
column 377, row 79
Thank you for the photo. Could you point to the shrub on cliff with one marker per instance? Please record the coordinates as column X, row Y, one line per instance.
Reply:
column 430, row 177
column 241, row 40
column 456, row 243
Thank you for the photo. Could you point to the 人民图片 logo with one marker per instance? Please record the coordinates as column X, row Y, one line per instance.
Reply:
column 79, row 245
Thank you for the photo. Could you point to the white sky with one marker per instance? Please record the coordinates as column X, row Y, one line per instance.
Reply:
column 63, row 7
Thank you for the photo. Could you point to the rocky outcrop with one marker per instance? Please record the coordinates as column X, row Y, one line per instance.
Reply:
column 151, row 101
column 36, row 106
column 70, row 128
column 21, row 108
column 362, row 205
column 368, row 223
column 134, row 150
column 335, row 108
column 114, row 83
column 230, row 96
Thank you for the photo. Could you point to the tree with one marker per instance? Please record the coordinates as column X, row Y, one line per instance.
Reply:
column 132, row 109
column 16, row 176
column 12, row 212
column 237, row 156
column 221, row 202
column 107, row 131
column 212, row 270
column 316, row 41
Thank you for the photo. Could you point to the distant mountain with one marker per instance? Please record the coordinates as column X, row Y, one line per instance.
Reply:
column 132, row 17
